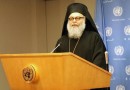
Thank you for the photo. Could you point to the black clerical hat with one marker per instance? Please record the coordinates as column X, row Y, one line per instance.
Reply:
column 81, row 8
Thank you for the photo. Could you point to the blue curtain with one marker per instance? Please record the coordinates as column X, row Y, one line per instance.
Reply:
column 112, row 18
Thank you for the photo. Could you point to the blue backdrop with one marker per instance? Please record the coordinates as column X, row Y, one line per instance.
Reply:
column 113, row 22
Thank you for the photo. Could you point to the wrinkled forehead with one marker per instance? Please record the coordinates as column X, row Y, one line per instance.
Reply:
column 76, row 14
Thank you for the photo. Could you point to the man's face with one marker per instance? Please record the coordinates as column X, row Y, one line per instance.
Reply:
column 75, row 25
column 76, row 19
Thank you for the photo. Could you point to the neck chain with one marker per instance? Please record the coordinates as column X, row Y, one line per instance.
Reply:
column 74, row 46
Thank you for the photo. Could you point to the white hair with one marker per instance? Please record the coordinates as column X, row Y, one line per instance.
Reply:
column 75, row 31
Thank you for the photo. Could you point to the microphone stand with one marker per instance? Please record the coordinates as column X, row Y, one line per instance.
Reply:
column 55, row 48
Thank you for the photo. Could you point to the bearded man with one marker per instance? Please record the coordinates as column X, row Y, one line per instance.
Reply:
column 80, row 36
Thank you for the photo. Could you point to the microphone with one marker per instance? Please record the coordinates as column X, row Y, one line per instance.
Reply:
column 106, row 57
column 55, row 47
column 107, row 65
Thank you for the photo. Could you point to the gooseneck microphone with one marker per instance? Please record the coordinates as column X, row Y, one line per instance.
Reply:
column 106, row 57
column 55, row 47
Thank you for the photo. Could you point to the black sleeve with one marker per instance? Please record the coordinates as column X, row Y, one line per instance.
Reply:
column 99, row 53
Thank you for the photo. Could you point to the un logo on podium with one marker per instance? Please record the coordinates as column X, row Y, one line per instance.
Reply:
column 29, row 74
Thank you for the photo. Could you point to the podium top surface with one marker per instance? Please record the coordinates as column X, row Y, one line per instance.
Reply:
column 34, row 54
column 28, row 55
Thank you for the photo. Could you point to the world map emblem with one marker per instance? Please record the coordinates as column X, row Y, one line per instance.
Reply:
column 120, row 87
column 127, row 70
column 108, row 31
column 127, row 30
column 111, row 69
column 119, row 50
column 117, row 11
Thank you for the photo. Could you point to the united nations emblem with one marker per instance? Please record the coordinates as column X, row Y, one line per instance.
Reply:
column 127, row 70
column 29, row 74
column 111, row 69
column 117, row 11
column 119, row 50
column 120, row 87
column 127, row 30
column 108, row 31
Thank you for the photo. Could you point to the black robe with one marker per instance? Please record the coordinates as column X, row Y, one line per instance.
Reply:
column 90, row 47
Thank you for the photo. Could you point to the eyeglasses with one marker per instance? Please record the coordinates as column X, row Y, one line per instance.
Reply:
column 76, row 18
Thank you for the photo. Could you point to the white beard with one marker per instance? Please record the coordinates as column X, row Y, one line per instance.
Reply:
column 75, row 31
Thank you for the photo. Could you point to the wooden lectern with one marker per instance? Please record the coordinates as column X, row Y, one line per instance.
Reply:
column 54, row 71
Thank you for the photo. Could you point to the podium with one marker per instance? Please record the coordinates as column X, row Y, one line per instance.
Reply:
column 53, row 71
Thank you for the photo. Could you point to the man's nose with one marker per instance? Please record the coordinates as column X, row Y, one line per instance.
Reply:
column 74, row 20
